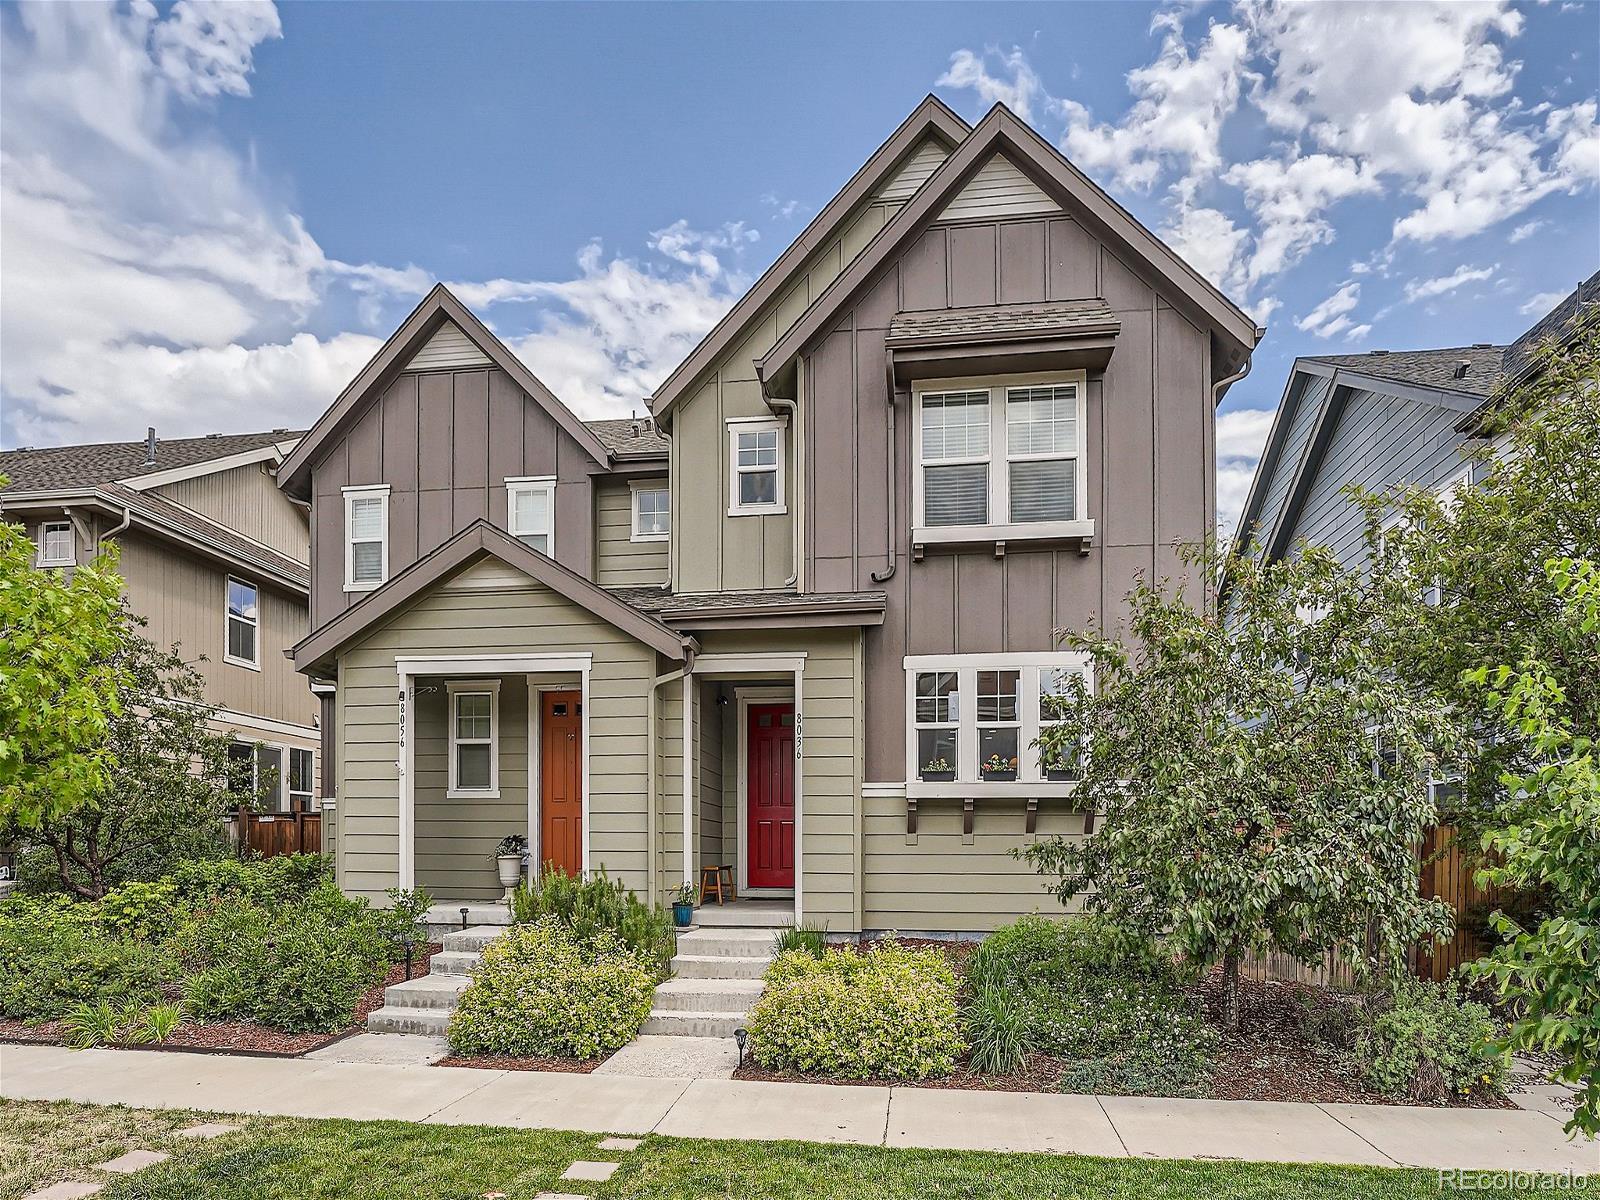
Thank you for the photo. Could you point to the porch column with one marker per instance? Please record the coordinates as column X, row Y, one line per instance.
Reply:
column 688, row 777
column 406, row 798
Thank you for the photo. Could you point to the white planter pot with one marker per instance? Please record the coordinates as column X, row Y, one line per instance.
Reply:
column 510, row 866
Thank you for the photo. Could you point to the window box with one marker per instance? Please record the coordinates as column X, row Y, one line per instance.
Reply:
column 999, row 772
column 1061, row 774
column 931, row 774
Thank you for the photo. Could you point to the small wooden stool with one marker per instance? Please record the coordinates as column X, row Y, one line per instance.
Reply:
column 711, row 882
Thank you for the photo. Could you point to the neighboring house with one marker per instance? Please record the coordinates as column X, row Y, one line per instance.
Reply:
column 215, row 559
column 784, row 624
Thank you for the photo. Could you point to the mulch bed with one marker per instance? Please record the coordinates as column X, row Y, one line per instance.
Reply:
column 235, row 1037
column 504, row 1062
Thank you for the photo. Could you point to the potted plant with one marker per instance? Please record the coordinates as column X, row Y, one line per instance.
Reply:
column 937, row 770
column 508, row 860
column 683, row 901
column 997, row 768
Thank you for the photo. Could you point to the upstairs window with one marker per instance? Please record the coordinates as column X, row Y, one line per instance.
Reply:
column 531, row 512
column 55, row 544
column 366, row 537
column 244, row 625
column 755, row 467
column 652, row 514
column 1002, row 456
column 474, row 739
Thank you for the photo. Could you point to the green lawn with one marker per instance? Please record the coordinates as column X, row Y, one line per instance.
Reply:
column 382, row 1160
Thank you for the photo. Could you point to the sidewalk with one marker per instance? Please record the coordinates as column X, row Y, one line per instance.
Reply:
column 1114, row 1126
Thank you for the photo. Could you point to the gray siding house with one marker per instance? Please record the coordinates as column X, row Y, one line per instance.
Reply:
column 799, row 621
column 214, row 557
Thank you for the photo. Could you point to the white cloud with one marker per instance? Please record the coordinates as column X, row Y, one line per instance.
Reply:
column 1287, row 198
column 206, row 47
column 1210, row 242
column 1356, row 332
column 1017, row 86
column 1526, row 230
column 700, row 248
column 1241, row 435
column 1540, row 303
column 1423, row 289
column 1333, row 314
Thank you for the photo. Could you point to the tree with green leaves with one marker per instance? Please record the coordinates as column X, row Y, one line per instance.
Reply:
column 1547, row 838
column 60, row 680
column 1459, row 579
column 1232, row 765
column 166, row 794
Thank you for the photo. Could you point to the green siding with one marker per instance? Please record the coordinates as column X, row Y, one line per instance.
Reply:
column 619, row 560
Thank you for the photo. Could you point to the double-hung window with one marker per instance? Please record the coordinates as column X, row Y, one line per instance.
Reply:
column 652, row 513
column 1003, row 457
column 366, row 537
column 244, row 625
column 302, row 770
column 977, row 718
column 55, row 544
column 531, row 512
column 755, row 466
column 474, row 739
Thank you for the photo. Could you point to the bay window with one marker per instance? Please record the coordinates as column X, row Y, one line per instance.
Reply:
column 975, row 719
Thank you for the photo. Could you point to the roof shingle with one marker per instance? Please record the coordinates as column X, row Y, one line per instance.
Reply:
column 996, row 321
column 635, row 437
column 1427, row 368
column 107, row 462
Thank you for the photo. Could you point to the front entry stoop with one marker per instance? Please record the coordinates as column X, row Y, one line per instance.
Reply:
column 423, row 1005
column 718, row 973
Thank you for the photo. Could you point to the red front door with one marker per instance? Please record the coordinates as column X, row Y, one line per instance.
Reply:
column 769, row 766
column 561, row 781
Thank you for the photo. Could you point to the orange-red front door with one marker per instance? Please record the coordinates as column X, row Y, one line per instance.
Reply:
column 769, row 763
column 561, row 780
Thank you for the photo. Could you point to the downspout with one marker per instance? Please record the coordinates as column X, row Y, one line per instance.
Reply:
column 888, row 571
column 1216, row 399
column 650, row 759
column 127, row 519
column 793, row 409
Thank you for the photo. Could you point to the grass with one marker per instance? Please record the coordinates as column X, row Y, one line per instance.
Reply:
column 284, row 1158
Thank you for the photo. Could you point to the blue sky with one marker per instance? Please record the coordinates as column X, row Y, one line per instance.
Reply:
column 212, row 213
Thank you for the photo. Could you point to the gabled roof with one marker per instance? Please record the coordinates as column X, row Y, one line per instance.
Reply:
column 1001, row 131
column 933, row 117
column 36, row 469
column 1560, row 322
column 1014, row 321
column 437, row 307
column 476, row 541
column 1437, row 369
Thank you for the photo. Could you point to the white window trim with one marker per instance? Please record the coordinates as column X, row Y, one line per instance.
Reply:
column 516, row 486
column 41, row 561
column 311, row 780
column 351, row 495
column 999, row 526
column 256, row 745
column 736, row 426
column 228, row 618
column 1030, row 779
column 491, row 687
column 653, row 485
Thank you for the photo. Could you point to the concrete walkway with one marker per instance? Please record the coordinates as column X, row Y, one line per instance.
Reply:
column 1116, row 1126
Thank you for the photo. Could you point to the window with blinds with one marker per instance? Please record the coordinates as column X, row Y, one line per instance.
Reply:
column 955, row 458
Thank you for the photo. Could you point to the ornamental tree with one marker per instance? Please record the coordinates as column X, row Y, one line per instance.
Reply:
column 1232, row 762
column 59, row 680
column 1549, row 841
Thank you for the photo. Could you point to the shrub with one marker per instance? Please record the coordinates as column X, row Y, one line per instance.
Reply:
column 598, row 904
column 1428, row 1043
column 809, row 939
column 141, row 910
column 998, row 1030
column 887, row 1013
column 53, row 959
column 543, row 990
column 278, row 880
column 96, row 1024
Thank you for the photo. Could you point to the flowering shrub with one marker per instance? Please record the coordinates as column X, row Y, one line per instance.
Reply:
column 1428, row 1043
column 542, row 990
column 887, row 1013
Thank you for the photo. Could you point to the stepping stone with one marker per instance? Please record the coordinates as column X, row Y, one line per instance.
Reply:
column 208, row 1129
column 133, row 1160
column 590, row 1172
column 620, row 1144
column 69, row 1191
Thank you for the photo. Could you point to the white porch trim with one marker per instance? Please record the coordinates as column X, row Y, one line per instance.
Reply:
column 411, row 666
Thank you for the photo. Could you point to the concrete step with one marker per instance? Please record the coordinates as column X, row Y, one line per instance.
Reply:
column 474, row 938
column 727, row 943
column 708, row 995
column 434, row 1022
column 426, row 991
column 702, row 966
column 742, row 916
column 448, row 962
column 693, row 1024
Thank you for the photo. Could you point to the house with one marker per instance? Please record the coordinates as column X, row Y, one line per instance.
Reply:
column 798, row 621
column 214, row 557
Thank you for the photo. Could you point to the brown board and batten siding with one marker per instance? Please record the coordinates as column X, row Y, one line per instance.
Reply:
column 620, row 561
column 524, row 618
column 445, row 441
column 1149, row 441
column 715, row 551
column 247, row 500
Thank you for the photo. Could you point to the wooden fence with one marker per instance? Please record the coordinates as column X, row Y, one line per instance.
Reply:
column 1446, row 873
column 269, row 834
